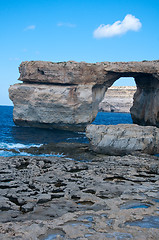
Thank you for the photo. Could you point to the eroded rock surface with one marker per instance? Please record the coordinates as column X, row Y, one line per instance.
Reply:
column 123, row 139
column 83, row 73
column 106, row 198
column 81, row 85
column 145, row 109
column 54, row 106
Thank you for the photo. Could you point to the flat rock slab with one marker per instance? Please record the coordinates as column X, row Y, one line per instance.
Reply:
column 72, row 72
column 123, row 138
column 111, row 197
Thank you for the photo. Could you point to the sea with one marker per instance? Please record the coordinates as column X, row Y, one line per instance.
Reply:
column 16, row 140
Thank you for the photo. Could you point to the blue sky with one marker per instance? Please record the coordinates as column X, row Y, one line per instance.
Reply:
column 62, row 30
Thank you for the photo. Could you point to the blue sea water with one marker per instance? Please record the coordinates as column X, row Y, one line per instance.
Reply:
column 13, row 139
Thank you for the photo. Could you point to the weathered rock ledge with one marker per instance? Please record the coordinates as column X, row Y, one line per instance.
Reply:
column 106, row 198
column 123, row 139
column 66, row 95
column 72, row 72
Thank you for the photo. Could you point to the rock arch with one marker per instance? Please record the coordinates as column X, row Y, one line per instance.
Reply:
column 66, row 95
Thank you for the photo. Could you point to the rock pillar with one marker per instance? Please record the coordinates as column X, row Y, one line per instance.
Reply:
column 145, row 109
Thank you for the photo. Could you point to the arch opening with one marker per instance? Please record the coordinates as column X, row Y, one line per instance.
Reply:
column 125, row 82
column 116, row 104
column 119, row 97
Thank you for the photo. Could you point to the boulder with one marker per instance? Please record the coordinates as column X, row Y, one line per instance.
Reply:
column 123, row 139
column 28, row 207
column 44, row 197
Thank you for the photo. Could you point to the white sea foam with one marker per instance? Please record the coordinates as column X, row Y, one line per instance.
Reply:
column 51, row 155
column 69, row 158
column 17, row 145
column 73, row 138
column 9, row 153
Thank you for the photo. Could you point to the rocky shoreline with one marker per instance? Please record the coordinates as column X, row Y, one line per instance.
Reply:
column 87, row 192
column 93, row 197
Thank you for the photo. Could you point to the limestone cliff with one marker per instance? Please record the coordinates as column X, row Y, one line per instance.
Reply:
column 118, row 99
column 66, row 95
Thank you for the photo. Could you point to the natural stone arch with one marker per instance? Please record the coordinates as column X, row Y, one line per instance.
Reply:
column 66, row 95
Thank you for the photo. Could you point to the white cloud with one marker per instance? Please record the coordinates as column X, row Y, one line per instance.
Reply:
column 65, row 24
column 31, row 27
column 130, row 23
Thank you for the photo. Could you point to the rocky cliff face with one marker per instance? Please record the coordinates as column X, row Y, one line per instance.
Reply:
column 53, row 106
column 67, row 94
column 145, row 109
column 118, row 99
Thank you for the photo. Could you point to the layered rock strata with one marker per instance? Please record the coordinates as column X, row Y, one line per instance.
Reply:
column 123, row 139
column 118, row 99
column 53, row 106
column 81, row 85
column 145, row 109
column 83, row 73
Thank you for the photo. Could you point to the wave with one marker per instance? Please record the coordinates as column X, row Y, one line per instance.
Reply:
column 5, row 153
column 18, row 146
column 18, row 149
